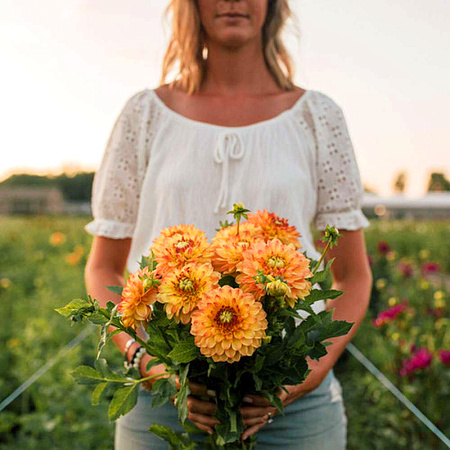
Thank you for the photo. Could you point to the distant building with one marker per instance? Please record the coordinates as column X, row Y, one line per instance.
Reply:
column 434, row 205
column 31, row 200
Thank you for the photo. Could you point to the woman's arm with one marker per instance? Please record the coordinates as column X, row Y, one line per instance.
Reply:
column 351, row 274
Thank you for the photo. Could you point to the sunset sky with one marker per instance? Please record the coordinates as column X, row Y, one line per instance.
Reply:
column 69, row 66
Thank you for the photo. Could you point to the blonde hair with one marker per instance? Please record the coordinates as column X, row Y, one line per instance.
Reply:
column 185, row 52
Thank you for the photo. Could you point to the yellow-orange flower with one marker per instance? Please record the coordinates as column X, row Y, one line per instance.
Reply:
column 228, row 247
column 273, row 226
column 228, row 324
column 276, row 261
column 180, row 245
column 182, row 289
column 138, row 295
column 57, row 238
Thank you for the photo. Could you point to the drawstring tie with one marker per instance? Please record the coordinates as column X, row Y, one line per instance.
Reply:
column 228, row 145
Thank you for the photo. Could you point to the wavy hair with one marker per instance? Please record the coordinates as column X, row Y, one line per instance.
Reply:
column 186, row 53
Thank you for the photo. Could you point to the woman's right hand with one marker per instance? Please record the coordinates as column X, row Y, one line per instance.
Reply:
column 200, row 402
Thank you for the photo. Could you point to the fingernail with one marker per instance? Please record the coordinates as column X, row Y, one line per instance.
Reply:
column 210, row 432
column 248, row 400
column 211, row 393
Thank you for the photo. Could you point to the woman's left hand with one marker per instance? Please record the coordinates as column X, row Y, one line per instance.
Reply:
column 258, row 410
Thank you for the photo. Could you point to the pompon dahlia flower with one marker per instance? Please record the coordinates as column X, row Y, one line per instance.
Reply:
column 276, row 261
column 228, row 247
column 180, row 245
column 273, row 226
column 228, row 324
column 182, row 289
column 137, row 297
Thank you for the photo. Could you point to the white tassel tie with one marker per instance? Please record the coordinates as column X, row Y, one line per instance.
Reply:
column 228, row 145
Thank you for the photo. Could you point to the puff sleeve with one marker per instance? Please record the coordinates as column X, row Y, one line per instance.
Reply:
column 338, row 181
column 117, row 183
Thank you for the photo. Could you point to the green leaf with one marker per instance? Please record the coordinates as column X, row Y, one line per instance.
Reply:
column 102, row 366
column 167, row 434
column 336, row 328
column 123, row 401
column 97, row 318
column 184, row 352
column 274, row 400
column 321, row 276
column 73, row 307
column 228, row 280
column 183, row 393
column 319, row 294
column 98, row 391
column 163, row 390
column 116, row 289
column 87, row 375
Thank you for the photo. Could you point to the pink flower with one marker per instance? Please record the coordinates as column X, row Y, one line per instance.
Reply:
column 383, row 247
column 444, row 356
column 406, row 269
column 421, row 359
column 430, row 267
column 390, row 314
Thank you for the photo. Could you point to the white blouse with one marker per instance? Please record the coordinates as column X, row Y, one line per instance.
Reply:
column 161, row 168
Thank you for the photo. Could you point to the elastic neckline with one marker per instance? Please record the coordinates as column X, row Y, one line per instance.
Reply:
column 199, row 123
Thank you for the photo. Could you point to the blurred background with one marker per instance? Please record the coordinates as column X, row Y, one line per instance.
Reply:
column 69, row 67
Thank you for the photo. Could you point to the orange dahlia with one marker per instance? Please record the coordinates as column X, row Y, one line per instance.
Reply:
column 138, row 295
column 277, row 262
column 228, row 247
column 228, row 324
column 183, row 288
column 273, row 226
column 178, row 246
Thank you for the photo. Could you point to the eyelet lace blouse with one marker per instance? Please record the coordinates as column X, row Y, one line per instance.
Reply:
column 161, row 169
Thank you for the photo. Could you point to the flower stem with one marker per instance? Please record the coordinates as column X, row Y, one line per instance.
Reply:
column 321, row 258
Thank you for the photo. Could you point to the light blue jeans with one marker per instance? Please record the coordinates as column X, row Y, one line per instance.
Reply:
column 316, row 421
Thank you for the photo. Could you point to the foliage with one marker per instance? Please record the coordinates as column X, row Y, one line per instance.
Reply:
column 55, row 412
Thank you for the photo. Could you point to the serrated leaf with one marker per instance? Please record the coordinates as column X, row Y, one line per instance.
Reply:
column 321, row 275
column 73, row 306
column 97, row 393
column 123, row 401
column 163, row 390
column 336, row 328
column 102, row 366
column 319, row 294
column 87, row 375
column 166, row 433
column 116, row 289
column 184, row 352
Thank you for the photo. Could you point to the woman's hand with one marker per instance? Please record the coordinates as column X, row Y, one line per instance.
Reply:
column 200, row 402
column 258, row 410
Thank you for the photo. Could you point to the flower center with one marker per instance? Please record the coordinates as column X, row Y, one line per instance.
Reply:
column 243, row 244
column 186, row 284
column 226, row 318
column 276, row 262
column 181, row 245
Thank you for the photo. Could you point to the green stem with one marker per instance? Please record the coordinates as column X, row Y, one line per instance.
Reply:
column 321, row 258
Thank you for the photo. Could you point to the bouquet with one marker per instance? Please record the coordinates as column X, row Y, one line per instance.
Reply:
column 224, row 314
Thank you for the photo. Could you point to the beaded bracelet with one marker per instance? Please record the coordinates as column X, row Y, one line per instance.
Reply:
column 135, row 359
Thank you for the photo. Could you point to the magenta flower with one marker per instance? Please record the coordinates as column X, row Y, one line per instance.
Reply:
column 383, row 247
column 430, row 267
column 390, row 314
column 444, row 356
column 421, row 359
column 406, row 269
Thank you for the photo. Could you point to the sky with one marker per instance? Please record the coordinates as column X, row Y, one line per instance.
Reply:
column 69, row 66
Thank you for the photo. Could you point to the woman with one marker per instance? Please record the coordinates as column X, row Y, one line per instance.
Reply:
column 232, row 128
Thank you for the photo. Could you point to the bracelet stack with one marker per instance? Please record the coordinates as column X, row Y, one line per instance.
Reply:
column 135, row 359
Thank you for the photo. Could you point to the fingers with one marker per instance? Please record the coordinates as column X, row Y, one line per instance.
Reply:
column 256, row 400
column 200, row 406
column 201, row 390
column 252, row 430
column 252, row 412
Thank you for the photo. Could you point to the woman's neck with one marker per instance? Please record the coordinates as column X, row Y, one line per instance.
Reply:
column 237, row 71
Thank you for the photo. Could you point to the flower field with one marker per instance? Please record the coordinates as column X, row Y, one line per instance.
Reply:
column 406, row 335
